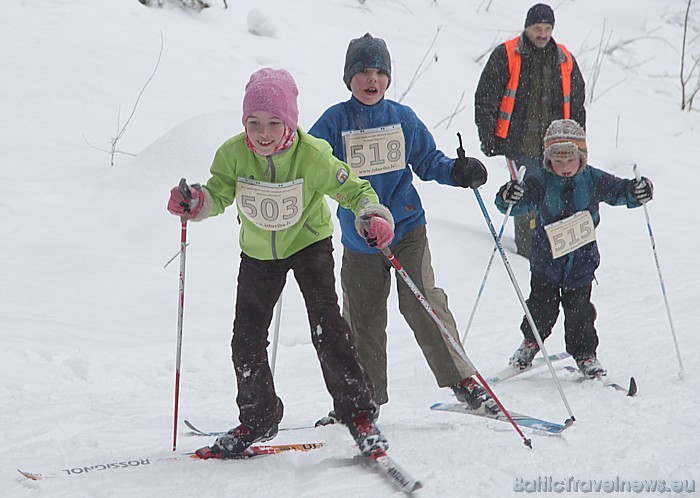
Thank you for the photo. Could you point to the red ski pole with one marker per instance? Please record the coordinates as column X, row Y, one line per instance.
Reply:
column 455, row 345
column 185, row 191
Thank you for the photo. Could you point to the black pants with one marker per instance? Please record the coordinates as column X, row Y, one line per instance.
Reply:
column 579, row 316
column 260, row 284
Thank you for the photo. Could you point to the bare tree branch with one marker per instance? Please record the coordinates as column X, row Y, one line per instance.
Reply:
column 121, row 131
column 418, row 72
column 113, row 151
column 108, row 151
column 454, row 113
column 682, row 75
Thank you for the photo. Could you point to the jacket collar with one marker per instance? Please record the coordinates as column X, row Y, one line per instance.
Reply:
column 526, row 47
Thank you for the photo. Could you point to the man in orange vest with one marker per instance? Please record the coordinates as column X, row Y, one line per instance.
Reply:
column 528, row 82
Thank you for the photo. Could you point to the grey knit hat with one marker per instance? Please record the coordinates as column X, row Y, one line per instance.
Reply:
column 364, row 53
column 565, row 138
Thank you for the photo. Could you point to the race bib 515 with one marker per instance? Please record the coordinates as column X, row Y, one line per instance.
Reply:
column 569, row 234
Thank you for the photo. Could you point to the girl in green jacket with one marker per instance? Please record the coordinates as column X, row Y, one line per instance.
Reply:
column 278, row 177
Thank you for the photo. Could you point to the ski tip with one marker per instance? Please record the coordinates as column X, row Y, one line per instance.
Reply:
column 414, row 486
column 29, row 475
column 398, row 476
column 633, row 387
column 194, row 429
column 206, row 453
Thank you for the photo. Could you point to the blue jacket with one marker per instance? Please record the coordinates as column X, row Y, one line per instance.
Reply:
column 554, row 198
column 395, row 188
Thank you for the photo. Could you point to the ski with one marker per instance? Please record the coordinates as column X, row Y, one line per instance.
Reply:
column 630, row 391
column 206, row 453
column 509, row 372
column 252, row 452
column 198, row 432
column 393, row 471
column 383, row 462
column 520, row 419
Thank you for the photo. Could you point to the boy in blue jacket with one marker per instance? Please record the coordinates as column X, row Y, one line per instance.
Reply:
column 566, row 195
column 386, row 143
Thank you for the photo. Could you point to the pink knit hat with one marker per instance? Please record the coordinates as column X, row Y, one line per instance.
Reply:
column 273, row 91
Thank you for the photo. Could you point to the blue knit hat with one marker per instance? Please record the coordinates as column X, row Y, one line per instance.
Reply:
column 539, row 13
column 364, row 53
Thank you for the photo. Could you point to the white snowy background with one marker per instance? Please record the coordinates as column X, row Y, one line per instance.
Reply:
column 88, row 313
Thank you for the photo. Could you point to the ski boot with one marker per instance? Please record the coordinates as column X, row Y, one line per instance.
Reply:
column 470, row 392
column 523, row 356
column 367, row 434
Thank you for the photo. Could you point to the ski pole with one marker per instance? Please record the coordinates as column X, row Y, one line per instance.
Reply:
column 530, row 320
column 681, row 372
column 510, row 164
column 451, row 341
column 185, row 191
column 276, row 334
column 519, row 178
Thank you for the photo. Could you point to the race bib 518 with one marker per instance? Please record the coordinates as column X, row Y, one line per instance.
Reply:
column 376, row 150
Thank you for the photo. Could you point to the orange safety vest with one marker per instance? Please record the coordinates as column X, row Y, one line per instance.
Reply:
column 505, row 112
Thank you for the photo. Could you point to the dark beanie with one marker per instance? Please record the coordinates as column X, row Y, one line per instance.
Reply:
column 539, row 13
column 363, row 53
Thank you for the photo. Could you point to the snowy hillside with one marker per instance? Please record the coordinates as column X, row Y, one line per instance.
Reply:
column 88, row 314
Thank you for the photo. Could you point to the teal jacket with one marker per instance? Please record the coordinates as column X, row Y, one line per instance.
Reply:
column 554, row 198
column 308, row 161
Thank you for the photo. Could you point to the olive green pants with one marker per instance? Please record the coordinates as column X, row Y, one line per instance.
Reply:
column 366, row 281
column 524, row 225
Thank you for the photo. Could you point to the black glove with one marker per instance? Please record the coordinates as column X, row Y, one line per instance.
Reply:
column 642, row 189
column 469, row 172
column 512, row 192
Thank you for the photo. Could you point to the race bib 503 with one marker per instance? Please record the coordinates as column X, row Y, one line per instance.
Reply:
column 271, row 206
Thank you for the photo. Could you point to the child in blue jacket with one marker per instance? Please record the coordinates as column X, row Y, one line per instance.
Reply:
column 386, row 143
column 566, row 195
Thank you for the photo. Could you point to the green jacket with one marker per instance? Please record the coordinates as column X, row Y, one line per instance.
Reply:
column 309, row 161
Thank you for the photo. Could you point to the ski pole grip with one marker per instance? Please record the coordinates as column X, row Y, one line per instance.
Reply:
column 636, row 172
column 184, row 189
column 460, row 150
column 521, row 174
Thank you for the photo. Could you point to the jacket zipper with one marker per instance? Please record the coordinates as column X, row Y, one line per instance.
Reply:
column 308, row 227
column 272, row 173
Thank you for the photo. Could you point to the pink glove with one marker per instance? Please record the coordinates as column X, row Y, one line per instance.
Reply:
column 377, row 231
column 186, row 202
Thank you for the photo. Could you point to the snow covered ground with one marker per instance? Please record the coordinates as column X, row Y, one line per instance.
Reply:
column 88, row 313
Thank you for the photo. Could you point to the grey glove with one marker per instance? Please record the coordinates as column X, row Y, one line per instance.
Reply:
column 512, row 192
column 643, row 189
